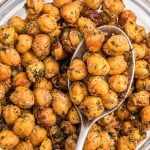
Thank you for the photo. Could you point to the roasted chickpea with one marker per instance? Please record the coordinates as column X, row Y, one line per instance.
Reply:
column 93, row 4
column 6, row 85
column 42, row 97
column 73, row 116
column 37, row 136
column 141, row 69
column 118, row 83
column 17, row 23
column 10, row 57
column 61, row 102
column 60, row 3
column 46, row 117
column 117, row 64
column 35, row 71
column 97, row 86
column 70, row 40
column 143, row 84
column 46, row 145
column 77, row 70
column 147, row 51
column 145, row 114
column 24, row 125
column 92, row 107
column 22, row 97
column 106, row 120
column 97, row 65
column 110, row 99
column 2, row 91
column 8, row 35
column 127, row 126
column 8, row 140
column 5, row 72
column 51, row 67
column 41, row 46
column 135, row 134
column 47, row 23
column 24, row 146
column 23, row 43
column 77, row 92
column 131, row 107
column 70, row 142
column 116, row 45
column 11, row 113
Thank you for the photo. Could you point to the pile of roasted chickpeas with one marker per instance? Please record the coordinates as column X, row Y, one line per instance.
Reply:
column 36, row 107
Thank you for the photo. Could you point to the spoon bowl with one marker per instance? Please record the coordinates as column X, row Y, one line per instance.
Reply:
column 81, row 49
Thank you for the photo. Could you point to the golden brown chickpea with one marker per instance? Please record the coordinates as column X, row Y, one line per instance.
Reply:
column 145, row 114
column 143, row 84
column 43, row 83
column 73, row 116
column 97, row 65
column 35, row 71
column 148, row 40
column 24, row 125
column 131, row 107
column 22, row 97
column 51, row 67
column 41, row 46
column 5, row 72
column 11, row 113
column 118, row 83
column 42, row 97
column 46, row 145
column 8, row 140
column 92, row 107
column 77, row 70
column 127, row 126
column 147, row 51
column 8, row 35
column 141, row 98
column 17, row 23
column 70, row 40
column 70, row 142
column 106, row 120
column 110, row 99
column 2, row 92
column 141, row 69
column 61, row 102
column 77, row 92
column 60, row 3
column 116, row 45
column 28, row 58
column 52, row 10
column 117, row 64
column 113, row 7
column 37, row 136
column 31, row 15
column 47, row 23
column 97, row 86
column 6, row 85
column 93, row 4
column 134, row 134
column 10, row 57
column 46, row 117
column 23, row 43
column 24, row 146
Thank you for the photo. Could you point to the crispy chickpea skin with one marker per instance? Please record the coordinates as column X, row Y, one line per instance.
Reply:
column 10, row 57
column 35, row 71
column 11, row 113
column 60, row 3
column 22, row 97
column 5, row 72
column 70, row 142
column 116, row 45
column 77, row 70
column 17, row 23
column 47, row 23
column 46, row 144
column 70, row 40
column 141, row 69
column 77, row 92
column 97, row 86
column 42, row 97
column 141, row 98
column 51, row 67
column 52, row 10
column 73, row 116
column 118, row 83
column 97, row 65
column 8, row 140
column 93, row 4
column 61, row 102
column 145, row 114
column 46, row 117
column 37, row 136
column 143, row 84
column 24, row 125
column 117, row 64
column 41, row 46
column 23, row 43
column 92, row 107
column 24, row 146
column 8, row 35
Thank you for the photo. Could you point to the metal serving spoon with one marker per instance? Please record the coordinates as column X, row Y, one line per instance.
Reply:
column 81, row 49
